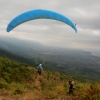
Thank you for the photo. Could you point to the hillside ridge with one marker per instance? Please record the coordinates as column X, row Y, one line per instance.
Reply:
column 19, row 81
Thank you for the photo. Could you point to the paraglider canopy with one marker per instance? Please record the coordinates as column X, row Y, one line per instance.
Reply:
column 39, row 14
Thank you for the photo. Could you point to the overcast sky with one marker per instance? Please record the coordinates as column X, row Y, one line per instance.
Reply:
column 85, row 13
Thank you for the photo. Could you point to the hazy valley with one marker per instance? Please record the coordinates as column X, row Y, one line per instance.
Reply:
column 70, row 61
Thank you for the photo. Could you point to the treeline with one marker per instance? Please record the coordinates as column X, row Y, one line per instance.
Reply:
column 15, row 76
column 13, row 71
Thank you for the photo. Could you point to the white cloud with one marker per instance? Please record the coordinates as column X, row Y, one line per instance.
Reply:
column 85, row 13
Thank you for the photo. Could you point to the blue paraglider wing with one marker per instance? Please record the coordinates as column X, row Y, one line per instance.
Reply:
column 39, row 14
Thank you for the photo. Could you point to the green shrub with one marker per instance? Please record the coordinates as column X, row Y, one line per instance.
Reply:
column 19, row 89
column 51, row 95
column 6, row 76
column 4, row 85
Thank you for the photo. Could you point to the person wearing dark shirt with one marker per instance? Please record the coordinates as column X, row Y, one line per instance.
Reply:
column 71, row 87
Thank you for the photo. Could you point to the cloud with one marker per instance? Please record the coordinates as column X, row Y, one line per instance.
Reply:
column 84, row 13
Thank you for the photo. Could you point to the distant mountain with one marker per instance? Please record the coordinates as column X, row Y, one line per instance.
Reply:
column 70, row 61
column 17, row 57
column 19, row 46
column 30, row 48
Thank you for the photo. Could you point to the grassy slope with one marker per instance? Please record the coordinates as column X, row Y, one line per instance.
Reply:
column 17, row 80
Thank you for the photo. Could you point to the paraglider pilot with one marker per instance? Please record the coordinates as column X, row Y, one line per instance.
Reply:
column 71, row 83
column 39, row 69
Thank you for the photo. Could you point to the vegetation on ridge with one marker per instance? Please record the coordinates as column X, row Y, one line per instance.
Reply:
column 20, row 79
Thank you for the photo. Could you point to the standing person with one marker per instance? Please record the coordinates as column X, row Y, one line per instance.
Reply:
column 71, row 83
column 39, row 69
